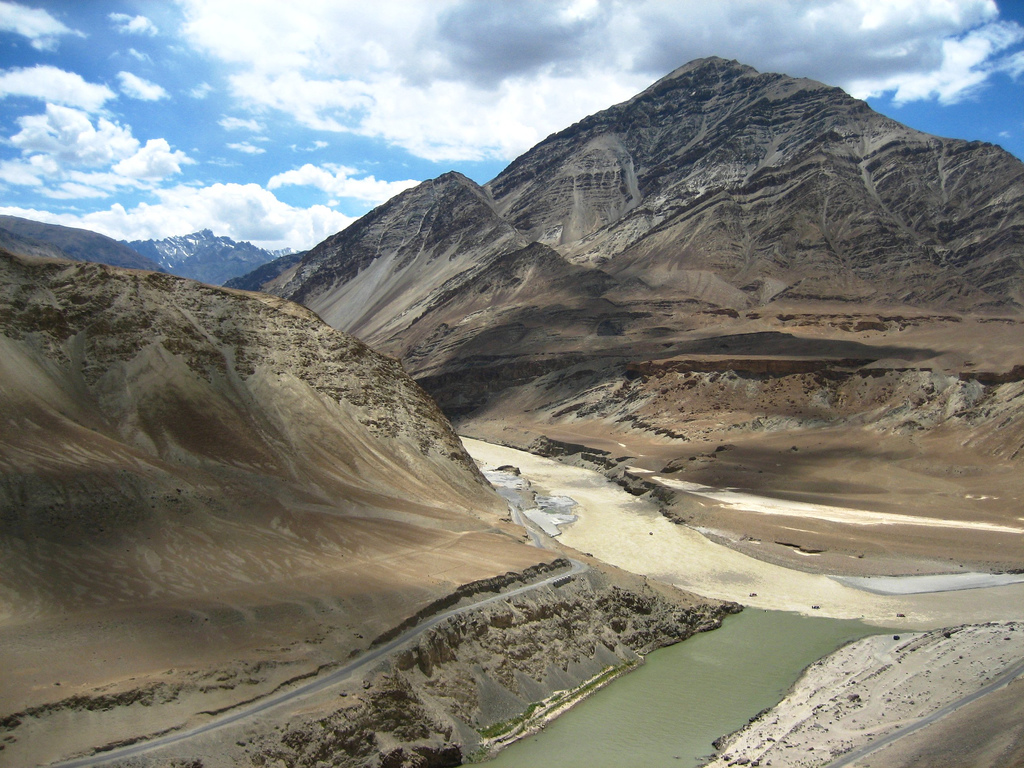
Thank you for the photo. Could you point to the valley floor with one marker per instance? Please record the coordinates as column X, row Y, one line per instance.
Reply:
column 845, row 501
column 892, row 682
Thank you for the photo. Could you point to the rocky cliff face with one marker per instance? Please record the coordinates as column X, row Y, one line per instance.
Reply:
column 375, row 277
column 469, row 684
column 781, row 187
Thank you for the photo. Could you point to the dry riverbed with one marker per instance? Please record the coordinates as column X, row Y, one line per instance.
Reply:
column 631, row 533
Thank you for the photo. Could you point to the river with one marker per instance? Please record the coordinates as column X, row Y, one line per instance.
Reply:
column 668, row 711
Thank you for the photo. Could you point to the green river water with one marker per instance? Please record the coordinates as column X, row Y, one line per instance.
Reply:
column 668, row 711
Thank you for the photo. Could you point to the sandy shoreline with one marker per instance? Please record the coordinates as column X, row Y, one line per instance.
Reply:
column 871, row 688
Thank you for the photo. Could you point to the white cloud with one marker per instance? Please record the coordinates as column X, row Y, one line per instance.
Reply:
column 237, row 124
column 966, row 63
column 477, row 79
column 139, row 56
column 246, row 148
column 201, row 91
column 37, row 25
column 135, row 87
column 325, row 105
column 133, row 25
column 240, row 211
column 55, row 86
column 156, row 160
column 69, row 136
column 61, row 147
column 1014, row 64
column 21, row 173
column 311, row 148
column 338, row 181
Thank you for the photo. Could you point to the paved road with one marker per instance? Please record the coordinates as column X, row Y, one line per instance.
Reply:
column 313, row 686
column 1004, row 679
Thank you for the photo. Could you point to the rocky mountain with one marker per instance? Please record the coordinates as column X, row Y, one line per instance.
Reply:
column 718, row 187
column 729, row 256
column 27, row 236
column 778, row 188
column 203, row 256
column 717, row 190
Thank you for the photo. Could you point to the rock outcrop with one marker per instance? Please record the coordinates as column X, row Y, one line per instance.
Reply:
column 473, row 679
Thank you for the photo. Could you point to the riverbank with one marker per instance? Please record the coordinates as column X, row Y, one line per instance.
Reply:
column 873, row 688
column 667, row 712
column 631, row 533
column 895, row 682
column 540, row 714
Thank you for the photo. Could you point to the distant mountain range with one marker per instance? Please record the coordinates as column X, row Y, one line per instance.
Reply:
column 204, row 256
column 200, row 256
column 36, row 238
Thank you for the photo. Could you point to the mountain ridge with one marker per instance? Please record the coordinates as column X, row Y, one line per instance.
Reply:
column 204, row 256
column 716, row 189
column 73, row 243
column 723, row 209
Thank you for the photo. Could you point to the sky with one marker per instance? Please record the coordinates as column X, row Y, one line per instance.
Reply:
column 280, row 123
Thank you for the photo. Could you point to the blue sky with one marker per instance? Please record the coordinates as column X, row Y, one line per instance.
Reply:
column 280, row 123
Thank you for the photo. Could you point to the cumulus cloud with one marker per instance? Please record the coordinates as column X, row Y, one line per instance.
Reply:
column 478, row 79
column 22, row 173
column 156, row 160
column 133, row 25
column 135, row 87
column 966, row 63
column 68, row 156
column 492, row 42
column 69, row 136
column 42, row 29
column 338, row 181
column 240, row 211
column 55, row 86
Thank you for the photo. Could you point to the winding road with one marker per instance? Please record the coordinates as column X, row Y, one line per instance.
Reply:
column 319, row 684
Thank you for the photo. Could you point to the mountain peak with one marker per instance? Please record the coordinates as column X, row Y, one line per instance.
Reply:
column 719, row 185
column 711, row 63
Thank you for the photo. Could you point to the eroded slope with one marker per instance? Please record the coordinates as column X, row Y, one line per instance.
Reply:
column 205, row 493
